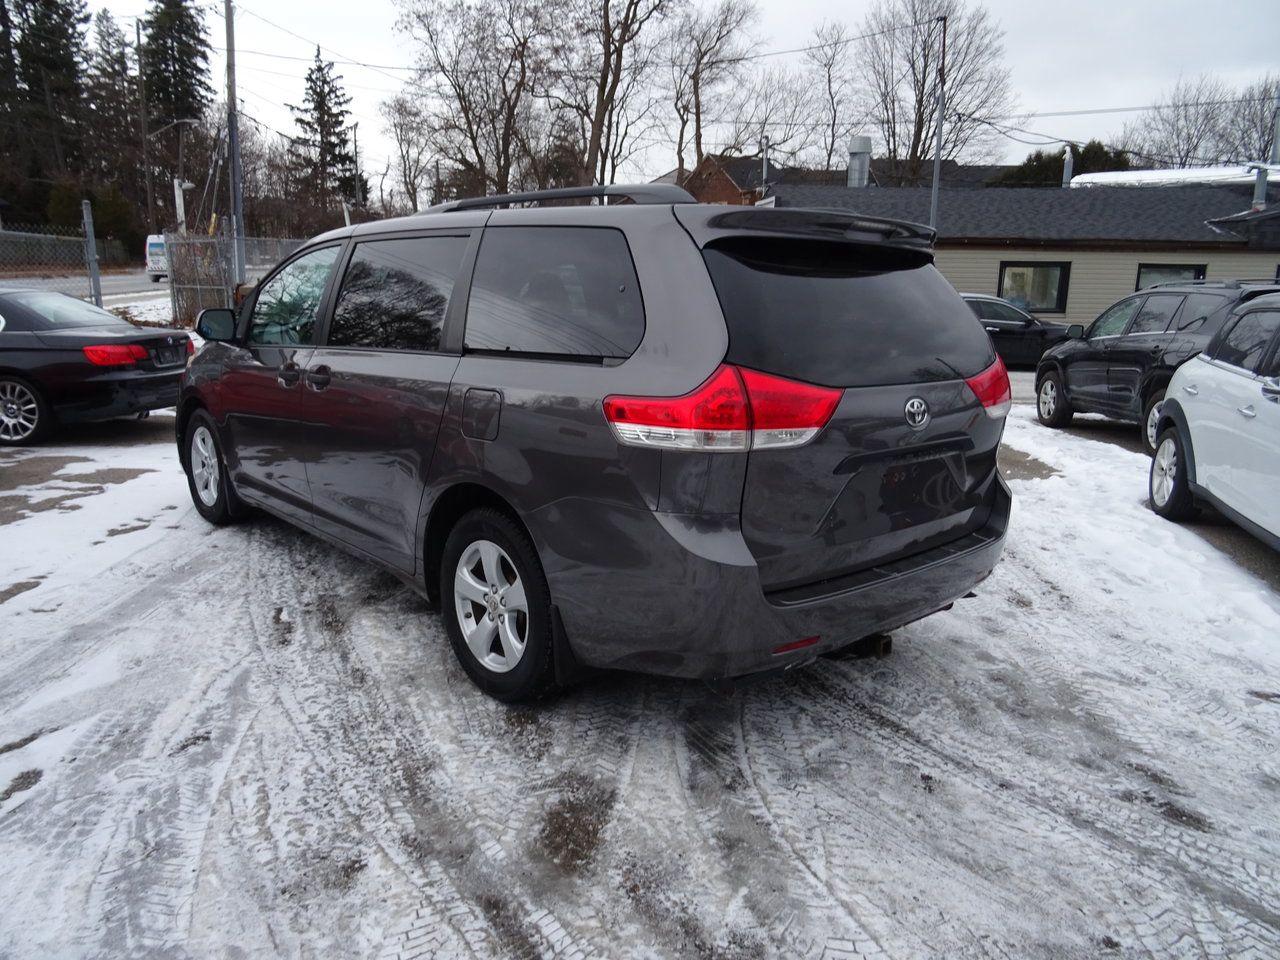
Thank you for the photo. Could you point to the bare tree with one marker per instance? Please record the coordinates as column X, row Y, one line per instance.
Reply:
column 777, row 102
column 410, row 130
column 480, row 64
column 1186, row 129
column 613, row 29
column 898, row 65
column 1250, row 125
column 705, row 49
column 830, row 66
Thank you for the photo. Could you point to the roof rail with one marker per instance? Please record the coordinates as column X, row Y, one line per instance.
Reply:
column 1221, row 281
column 646, row 193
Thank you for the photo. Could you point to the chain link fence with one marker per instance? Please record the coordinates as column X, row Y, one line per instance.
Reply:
column 45, row 257
column 202, row 269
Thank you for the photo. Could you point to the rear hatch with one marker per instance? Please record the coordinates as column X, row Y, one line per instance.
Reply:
column 907, row 459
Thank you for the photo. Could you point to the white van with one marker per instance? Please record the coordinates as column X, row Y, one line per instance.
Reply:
column 157, row 258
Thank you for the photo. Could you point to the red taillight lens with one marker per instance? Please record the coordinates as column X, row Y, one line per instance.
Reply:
column 191, row 347
column 734, row 410
column 991, row 387
column 712, row 417
column 785, row 413
column 115, row 354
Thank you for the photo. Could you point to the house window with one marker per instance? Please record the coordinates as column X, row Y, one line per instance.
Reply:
column 1037, row 286
column 1149, row 274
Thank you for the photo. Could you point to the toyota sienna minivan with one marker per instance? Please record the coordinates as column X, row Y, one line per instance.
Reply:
column 653, row 435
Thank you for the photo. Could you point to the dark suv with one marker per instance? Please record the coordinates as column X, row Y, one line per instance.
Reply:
column 1121, row 365
column 701, row 441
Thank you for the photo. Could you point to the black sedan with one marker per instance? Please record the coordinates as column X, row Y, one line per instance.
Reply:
column 63, row 361
column 1018, row 337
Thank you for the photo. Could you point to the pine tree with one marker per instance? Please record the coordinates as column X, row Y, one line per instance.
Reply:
column 50, row 53
column 111, row 110
column 176, row 61
column 322, row 153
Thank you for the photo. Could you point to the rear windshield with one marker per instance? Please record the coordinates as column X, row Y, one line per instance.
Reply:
column 54, row 311
column 843, row 315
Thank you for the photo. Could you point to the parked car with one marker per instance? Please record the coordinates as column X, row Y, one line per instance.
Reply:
column 63, row 360
column 1121, row 365
column 1219, row 429
column 1019, row 338
column 157, row 257
column 694, row 440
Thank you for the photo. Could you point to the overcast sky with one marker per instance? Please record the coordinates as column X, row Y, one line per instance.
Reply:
column 1064, row 55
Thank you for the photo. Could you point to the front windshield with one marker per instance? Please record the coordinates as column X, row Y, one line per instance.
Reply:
column 58, row 310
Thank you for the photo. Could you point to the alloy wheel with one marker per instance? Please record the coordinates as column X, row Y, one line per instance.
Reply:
column 204, row 465
column 1153, row 418
column 1164, row 471
column 1048, row 399
column 19, row 411
column 490, row 603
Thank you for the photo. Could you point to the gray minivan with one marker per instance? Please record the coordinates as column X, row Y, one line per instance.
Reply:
column 702, row 441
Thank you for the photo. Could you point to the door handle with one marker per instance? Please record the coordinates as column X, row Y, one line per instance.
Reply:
column 993, row 329
column 1190, row 388
column 1247, row 411
column 318, row 377
column 289, row 374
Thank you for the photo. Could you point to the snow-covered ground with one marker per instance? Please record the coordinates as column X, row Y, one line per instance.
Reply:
column 241, row 742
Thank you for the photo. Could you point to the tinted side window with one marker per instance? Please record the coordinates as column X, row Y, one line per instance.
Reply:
column 1246, row 342
column 1156, row 313
column 284, row 313
column 559, row 291
column 998, row 311
column 395, row 293
column 1197, row 309
column 1115, row 319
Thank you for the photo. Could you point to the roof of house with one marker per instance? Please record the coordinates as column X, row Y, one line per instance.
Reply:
column 1103, row 214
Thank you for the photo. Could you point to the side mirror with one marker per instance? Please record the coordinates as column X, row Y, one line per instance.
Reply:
column 1075, row 331
column 217, row 324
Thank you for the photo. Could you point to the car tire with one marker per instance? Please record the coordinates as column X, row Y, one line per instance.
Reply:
column 206, row 470
column 1052, row 406
column 25, row 415
column 1150, row 420
column 502, row 637
column 1168, row 490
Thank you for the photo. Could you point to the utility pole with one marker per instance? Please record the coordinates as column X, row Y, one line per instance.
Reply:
column 1260, row 183
column 355, row 140
column 233, row 143
column 937, row 140
column 764, row 164
column 146, row 149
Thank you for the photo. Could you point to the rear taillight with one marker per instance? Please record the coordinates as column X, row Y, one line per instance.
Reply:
column 115, row 354
column 991, row 387
column 734, row 410
column 191, row 347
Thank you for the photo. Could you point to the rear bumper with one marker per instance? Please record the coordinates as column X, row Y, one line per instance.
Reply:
column 120, row 394
column 681, row 596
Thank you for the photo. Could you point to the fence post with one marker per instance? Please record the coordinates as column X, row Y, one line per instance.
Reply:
column 91, row 253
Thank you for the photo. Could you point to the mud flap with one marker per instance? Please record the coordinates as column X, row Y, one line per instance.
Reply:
column 567, row 668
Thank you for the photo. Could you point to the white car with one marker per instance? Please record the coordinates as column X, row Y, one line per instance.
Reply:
column 1218, row 437
column 157, row 257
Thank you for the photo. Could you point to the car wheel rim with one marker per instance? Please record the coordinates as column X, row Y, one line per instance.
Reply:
column 491, row 606
column 204, row 466
column 1153, row 418
column 19, row 411
column 1048, row 399
column 1164, row 472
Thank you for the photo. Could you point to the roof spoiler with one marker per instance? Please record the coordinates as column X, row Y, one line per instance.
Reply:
column 644, row 193
column 805, row 223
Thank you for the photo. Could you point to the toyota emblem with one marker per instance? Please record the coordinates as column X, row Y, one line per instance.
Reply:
column 917, row 413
